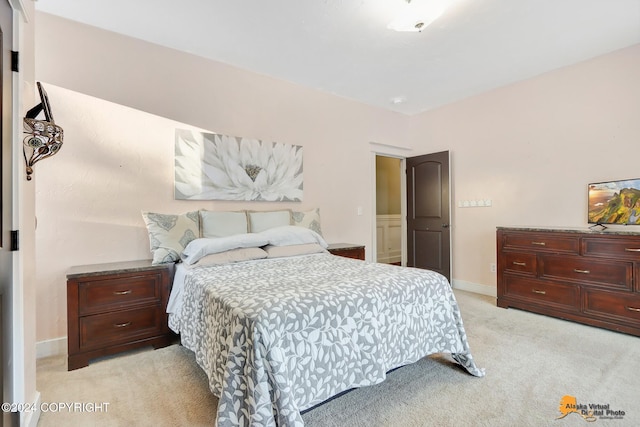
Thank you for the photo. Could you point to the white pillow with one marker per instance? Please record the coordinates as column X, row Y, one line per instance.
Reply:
column 293, row 250
column 309, row 219
column 203, row 246
column 223, row 224
column 292, row 235
column 227, row 257
column 260, row 221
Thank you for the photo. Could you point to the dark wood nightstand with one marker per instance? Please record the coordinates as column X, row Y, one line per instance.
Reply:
column 347, row 250
column 116, row 307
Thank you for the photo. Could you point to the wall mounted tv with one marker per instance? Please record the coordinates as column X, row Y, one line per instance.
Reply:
column 615, row 202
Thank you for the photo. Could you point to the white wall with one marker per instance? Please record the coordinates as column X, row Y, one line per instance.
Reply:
column 531, row 147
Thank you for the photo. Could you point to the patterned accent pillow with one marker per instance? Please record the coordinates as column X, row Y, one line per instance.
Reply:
column 309, row 219
column 170, row 234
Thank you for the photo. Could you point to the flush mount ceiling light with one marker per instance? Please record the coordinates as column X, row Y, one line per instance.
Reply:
column 416, row 15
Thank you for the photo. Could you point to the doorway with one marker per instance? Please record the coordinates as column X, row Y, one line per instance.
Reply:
column 422, row 185
column 389, row 203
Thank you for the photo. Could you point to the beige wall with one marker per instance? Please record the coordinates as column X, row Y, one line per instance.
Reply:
column 531, row 147
column 117, row 160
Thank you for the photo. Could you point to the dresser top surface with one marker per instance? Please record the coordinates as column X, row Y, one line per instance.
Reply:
column 574, row 230
column 112, row 268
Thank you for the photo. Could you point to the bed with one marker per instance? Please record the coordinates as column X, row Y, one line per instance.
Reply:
column 282, row 334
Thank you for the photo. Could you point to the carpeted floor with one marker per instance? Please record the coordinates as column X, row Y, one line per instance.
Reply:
column 532, row 361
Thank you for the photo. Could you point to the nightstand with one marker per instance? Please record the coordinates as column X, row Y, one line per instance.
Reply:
column 116, row 307
column 347, row 250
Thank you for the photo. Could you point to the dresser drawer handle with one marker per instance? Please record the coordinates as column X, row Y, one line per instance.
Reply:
column 632, row 249
column 633, row 309
column 535, row 291
column 523, row 264
column 581, row 271
column 127, row 292
column 539, row 243
column 121, row 325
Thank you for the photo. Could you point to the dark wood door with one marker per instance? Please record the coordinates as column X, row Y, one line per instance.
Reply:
column 428, row 213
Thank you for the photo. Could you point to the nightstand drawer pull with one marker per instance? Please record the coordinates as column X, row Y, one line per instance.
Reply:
column 539, row 243
column 127, row 292
column 633, row 309
column 581, row 271
column 535, row 291
column 122, row 325
column 632, row 250
column 522, row 264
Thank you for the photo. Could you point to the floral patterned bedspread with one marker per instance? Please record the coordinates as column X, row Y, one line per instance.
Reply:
column 278, row 336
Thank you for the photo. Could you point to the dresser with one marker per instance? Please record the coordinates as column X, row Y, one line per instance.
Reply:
column 116, row 307
column 347, row 250
column 591, row 277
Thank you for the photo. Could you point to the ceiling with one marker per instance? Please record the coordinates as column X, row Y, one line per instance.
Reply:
column 344, row 47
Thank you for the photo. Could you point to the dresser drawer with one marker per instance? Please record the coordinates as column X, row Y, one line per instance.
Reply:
column 550, row 294
column 612, row 274
column 520, row 263
column 542, row 242
column 102, row 330
column 611, row 248
column 104, row 295
column 617, row 306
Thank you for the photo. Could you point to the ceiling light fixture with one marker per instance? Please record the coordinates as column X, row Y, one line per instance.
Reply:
column 416, row 15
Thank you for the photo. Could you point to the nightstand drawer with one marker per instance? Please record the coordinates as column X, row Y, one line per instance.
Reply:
column 115, row 307
column 105, row 295
column 101, row 330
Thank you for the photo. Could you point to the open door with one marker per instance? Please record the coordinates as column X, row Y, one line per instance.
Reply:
column 429, row 213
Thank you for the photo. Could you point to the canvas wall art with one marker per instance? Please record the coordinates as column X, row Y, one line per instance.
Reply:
column 210, row 166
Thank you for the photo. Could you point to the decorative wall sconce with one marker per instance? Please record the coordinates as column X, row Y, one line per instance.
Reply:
column 43, row 137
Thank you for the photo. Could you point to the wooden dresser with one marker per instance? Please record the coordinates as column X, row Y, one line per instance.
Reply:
column 347, row 250
column 586, row 276
column 116, row 307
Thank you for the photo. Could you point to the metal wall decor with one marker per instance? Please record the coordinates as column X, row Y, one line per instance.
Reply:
column 43, row 137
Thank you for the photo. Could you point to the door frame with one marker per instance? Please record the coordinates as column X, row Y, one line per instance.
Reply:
column 400, row 153
column 14, row 346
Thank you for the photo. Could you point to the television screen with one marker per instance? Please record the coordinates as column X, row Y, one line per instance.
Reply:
column 615, row 202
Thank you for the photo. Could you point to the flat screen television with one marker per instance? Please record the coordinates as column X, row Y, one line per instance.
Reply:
column 615, row 202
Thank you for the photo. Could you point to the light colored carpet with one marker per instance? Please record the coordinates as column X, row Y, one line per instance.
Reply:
column 532, row 361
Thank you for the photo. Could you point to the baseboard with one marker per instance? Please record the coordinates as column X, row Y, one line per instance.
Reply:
column 53, row 347
column 475, row 288
column 31, row 418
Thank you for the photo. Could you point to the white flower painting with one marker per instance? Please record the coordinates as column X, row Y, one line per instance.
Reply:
column 210, row 166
